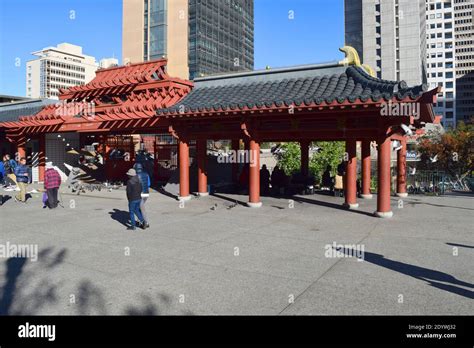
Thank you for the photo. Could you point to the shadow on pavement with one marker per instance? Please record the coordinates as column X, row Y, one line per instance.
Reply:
column 330, row 205
column 14, row 269
column 21, row 294
column 121, row 216
column 434, row 278
column 27, row 289
column 461, row 245
column 439, row 205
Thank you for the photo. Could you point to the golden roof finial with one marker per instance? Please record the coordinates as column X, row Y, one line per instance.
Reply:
column 352, row 57
column 369, row 69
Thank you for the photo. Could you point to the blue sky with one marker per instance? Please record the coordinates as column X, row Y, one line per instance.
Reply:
column 313, row 35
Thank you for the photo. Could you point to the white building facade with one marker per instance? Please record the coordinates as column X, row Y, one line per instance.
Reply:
column 58, row 68
column 464, row 37
column 441, row 57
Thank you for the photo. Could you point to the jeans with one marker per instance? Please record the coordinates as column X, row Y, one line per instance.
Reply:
column 142, row 209
column 134, row 208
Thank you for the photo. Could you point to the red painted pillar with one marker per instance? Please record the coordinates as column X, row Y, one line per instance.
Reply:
column 383, row 179
column 235, row 166
column 254, row 175
column 202, row 167
column 184, row 170
column 402, row 170
column 366, row 167
column 41, row 156
column 304, row 146
column 351, row 175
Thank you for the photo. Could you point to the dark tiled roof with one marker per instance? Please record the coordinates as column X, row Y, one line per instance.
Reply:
column 13, row 111
column 301, row 86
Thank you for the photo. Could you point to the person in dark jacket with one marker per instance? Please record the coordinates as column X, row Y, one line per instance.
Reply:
column 9, row 165
column 22, row 177
column 146, row 183
column 264, row 180
column 2, row 173
column 327, row 180
column 134, row 191
column 52, row 182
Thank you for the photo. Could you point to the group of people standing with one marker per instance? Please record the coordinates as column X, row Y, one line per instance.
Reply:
column 16, row 175
column 277, row 180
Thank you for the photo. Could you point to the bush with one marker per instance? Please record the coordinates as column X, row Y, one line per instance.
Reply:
column 330, row 153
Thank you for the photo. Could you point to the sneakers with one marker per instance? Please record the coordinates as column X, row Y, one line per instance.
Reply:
column 143, row 225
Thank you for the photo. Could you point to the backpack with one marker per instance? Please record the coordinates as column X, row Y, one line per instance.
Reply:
column 10, row 166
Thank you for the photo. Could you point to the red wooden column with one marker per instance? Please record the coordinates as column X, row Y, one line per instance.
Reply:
column 202, row 167
column 254, row 174
column 366, row 167
column 384, row 209
column 41, row 156
column 183, row 170
column 351, row 175
column 402, row 170
column 304, row 145
column 235, row 166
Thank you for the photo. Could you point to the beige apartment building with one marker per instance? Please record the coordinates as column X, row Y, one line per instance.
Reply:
column 56, row 68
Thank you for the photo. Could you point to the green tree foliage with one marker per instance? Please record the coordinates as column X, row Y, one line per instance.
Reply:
column 330, row 153
column 290, row 158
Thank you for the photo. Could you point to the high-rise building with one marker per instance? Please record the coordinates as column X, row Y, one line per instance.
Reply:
column 198, row 37
column 390, row 36
column 464, row 42
column 58, row 68
column 441, row 62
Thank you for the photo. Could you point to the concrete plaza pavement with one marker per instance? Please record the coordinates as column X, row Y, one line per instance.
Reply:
column 214, row 256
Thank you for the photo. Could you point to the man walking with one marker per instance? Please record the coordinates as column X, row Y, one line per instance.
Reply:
column 145, row 181
column 134, row 190
column 52, row 182
column 9, row 166
column 21, row 173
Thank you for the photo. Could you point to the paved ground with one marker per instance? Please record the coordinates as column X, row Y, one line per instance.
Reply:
column 198, row 260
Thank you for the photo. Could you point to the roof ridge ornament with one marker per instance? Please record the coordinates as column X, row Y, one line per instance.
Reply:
column 369, row 70
column 352, row 57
